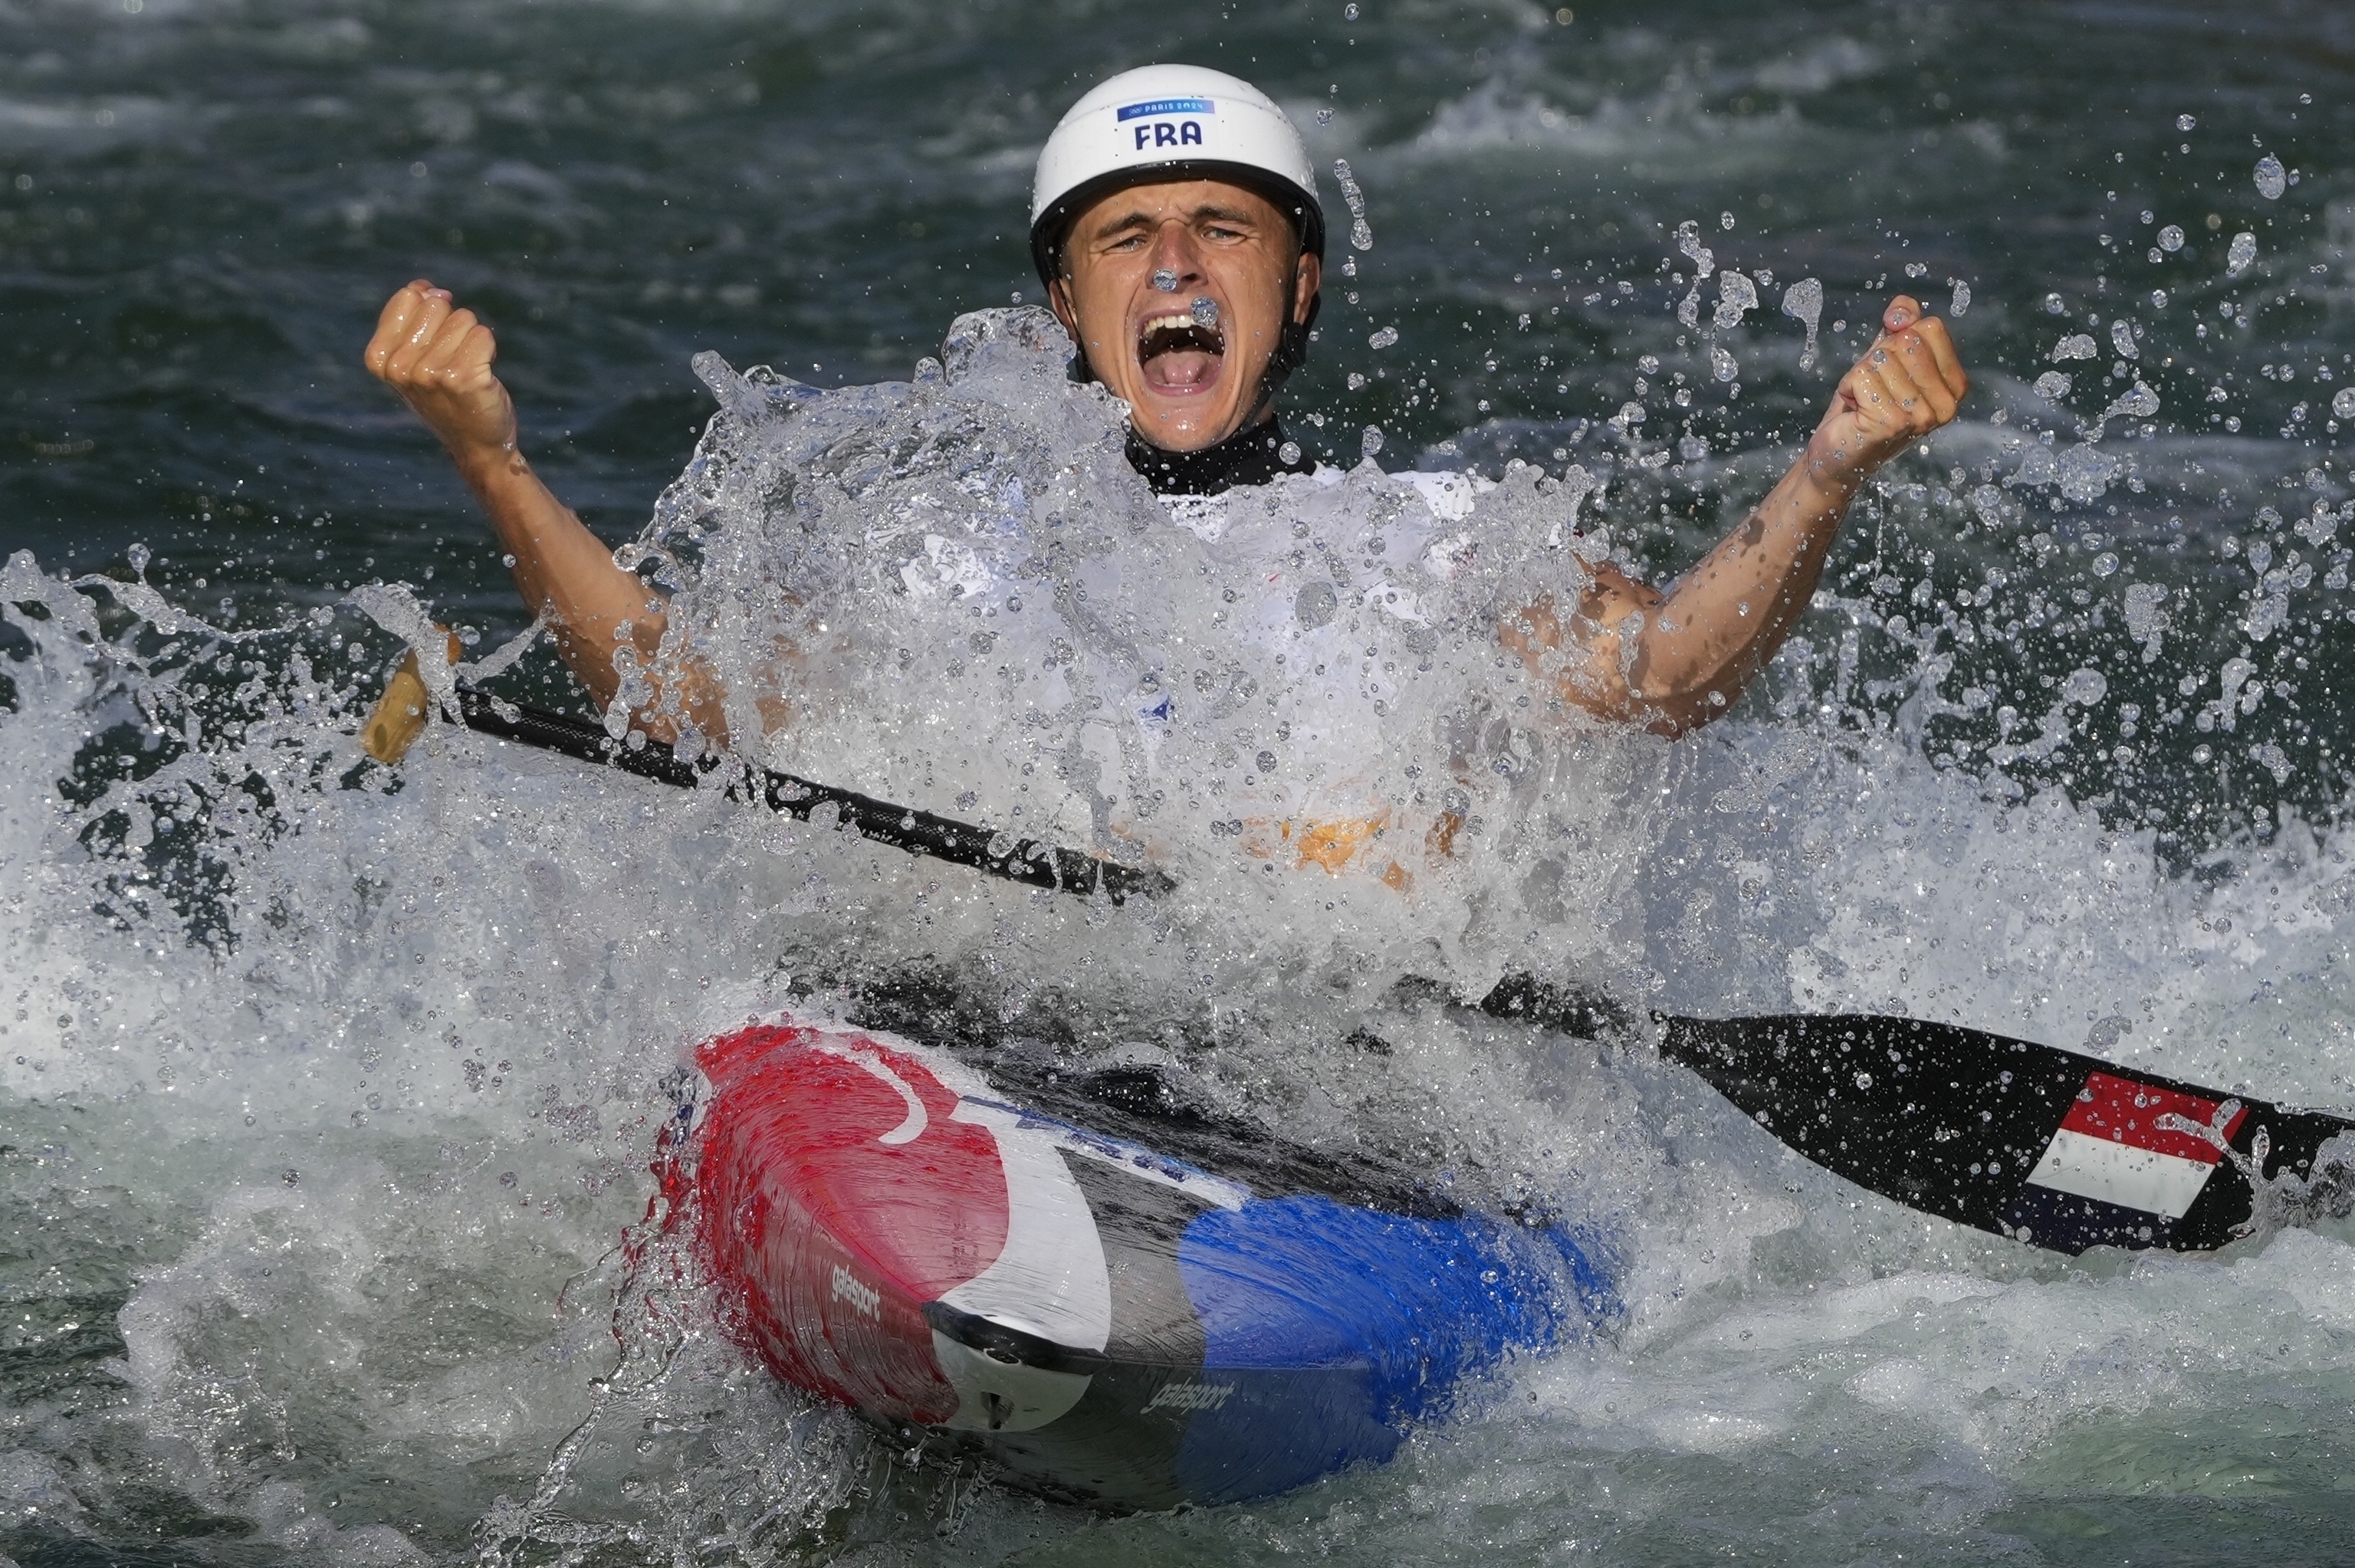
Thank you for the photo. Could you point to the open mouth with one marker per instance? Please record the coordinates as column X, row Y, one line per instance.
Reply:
column 1180, row 354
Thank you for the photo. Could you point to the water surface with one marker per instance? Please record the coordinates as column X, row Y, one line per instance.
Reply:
column 326, row 1101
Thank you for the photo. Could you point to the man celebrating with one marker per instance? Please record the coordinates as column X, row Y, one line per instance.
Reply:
column 1176, row 224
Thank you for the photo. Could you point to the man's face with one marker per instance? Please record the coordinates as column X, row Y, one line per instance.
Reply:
column 1188, row 386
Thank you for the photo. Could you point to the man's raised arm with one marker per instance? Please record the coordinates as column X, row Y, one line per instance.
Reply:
column 1673, row 662
column 438, row 359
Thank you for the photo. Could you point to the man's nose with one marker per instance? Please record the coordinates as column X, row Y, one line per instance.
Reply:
column 1174, row 251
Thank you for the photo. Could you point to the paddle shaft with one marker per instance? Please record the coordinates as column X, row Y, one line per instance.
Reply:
column 2041, row 1145
column 880, row 822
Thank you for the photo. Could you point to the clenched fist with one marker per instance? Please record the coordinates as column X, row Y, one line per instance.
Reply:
column 439, row 359
column 1907, row 385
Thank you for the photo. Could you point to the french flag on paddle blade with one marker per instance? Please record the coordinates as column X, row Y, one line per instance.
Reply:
column 2123, row 1166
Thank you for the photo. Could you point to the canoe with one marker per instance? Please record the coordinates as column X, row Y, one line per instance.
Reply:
column 1089, row 1315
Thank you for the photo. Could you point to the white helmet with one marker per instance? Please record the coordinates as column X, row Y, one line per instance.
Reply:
column 1169, row 121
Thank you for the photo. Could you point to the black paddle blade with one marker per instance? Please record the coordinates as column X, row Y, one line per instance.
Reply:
column 2038, row 1144
column 880, row 822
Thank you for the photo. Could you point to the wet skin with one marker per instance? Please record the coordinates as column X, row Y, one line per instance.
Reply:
column 438, row 357
column 1133, row 265
column 1673, row 662
column 1623, row 651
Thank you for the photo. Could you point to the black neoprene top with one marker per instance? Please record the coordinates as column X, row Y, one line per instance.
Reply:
column 1252, row 456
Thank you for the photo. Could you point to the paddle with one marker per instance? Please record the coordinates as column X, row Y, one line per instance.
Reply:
column 2044, row 1146
column 400, row 715
column 2041, row 1145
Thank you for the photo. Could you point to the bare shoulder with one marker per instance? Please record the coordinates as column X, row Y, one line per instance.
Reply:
column 1613, row 595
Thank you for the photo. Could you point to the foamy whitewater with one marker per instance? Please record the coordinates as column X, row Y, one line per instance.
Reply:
column 329, row 1091
column 364, row 1067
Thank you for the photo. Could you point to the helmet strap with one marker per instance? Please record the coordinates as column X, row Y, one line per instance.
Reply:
column 1291, row 346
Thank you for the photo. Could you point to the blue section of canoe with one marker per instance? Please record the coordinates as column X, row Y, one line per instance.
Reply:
column 1335, row 1326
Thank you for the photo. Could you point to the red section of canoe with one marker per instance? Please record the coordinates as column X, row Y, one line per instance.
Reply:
column 835, row 1197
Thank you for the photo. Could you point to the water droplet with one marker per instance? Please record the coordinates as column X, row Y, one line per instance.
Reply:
column 2184, row 122
column 1349, row 12
column 2105, row 564
column 1722, row 365
column 1803, row 301
column 1164, row 281
column 1315, row 606
column 1961, row 303
column 1735, row 294
column 2084, row 687
column 1382, row 338
column 138, row 557
column 1206, row 311
column 2052, row 385
column 1704, row 259
column 2055, row 305
column 2241, row 255
column 2272, row 179
column 2139, row 402
column 1370, row 441
column 1362, row 236
column 2170, row 239
column 2343, row 405
column 1290, row 453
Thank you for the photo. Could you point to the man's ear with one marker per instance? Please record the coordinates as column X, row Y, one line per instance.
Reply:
column 1058, row 299
column 1305, row 281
